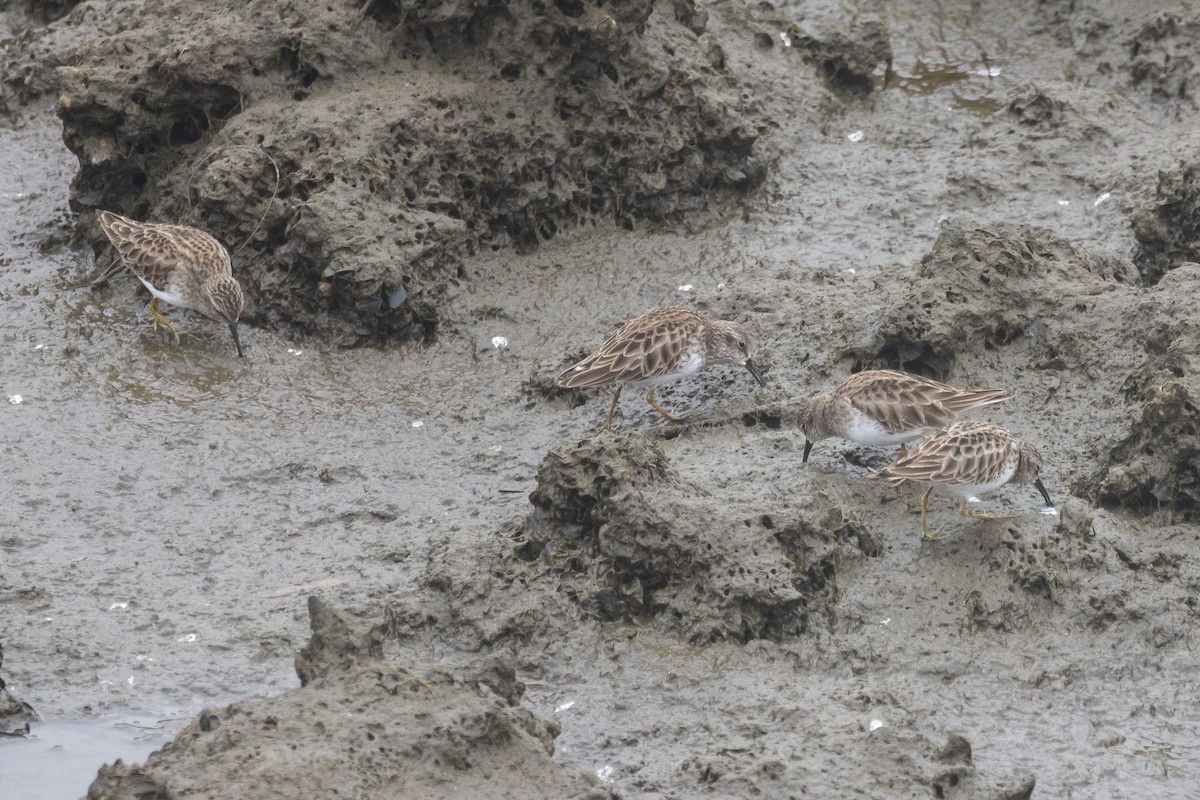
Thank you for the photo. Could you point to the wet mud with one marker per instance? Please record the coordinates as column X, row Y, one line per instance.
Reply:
column 409, row 731
column 427, row 537
column 15, row 713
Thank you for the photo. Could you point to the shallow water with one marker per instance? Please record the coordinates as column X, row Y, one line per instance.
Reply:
column 59, row 758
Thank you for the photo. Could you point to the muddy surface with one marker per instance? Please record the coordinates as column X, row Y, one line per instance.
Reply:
column 388, row 730
column 1002, row 196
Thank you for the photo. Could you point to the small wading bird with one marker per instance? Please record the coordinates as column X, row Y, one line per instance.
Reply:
column 180, row 265
column 883, row 407
column 965, row 460
column 661, row 346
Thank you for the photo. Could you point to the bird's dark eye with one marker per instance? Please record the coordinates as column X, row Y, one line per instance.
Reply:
column 742, row 345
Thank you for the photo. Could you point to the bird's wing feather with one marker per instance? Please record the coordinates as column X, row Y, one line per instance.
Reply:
column 152, row 250
column 964, row 399
column 900, row 402
column 904, row 402
column 972, row 453
column 645, row 347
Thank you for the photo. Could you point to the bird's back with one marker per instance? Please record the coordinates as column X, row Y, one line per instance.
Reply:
column 647, row 347
column 965, row 453
column 900, row 401
column 153, row 250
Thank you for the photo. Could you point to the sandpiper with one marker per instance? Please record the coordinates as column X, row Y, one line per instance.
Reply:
column 967, row 459
column 180, row 265
column 661, row 346
column 883, row 407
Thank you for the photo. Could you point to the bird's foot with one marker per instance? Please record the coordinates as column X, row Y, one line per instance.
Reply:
column 966, row 511
column 981, row 515
column 162, row 322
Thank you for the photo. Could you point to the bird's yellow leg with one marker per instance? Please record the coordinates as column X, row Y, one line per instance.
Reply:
column 926, row 534
column 660, row 409
column 612, row 408
column 160, row 321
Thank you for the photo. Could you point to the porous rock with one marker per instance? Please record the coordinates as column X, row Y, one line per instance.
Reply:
column 387, row 728
column 1154, row 464
column 1167, row 225
column 15, row 714
column 359, row 151
column 847, row 57
column 629, row 539
column 985, row 287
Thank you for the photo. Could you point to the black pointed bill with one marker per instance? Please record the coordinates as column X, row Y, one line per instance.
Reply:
column 807, row 449
column 236, row 342
column 756, row 371
column 1045, row 495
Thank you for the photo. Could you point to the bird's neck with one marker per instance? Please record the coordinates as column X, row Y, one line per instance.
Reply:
column 817, row 416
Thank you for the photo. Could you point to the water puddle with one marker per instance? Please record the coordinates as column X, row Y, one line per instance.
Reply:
column 59, row 758
column 969, row 81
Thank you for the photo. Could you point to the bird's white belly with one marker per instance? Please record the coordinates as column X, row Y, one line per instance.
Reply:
column 867, row 430
column 690, row 366
column 166, row 295
column 975, row 489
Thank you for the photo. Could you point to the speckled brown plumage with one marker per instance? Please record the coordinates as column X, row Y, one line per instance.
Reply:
column 180, row 265
column 968, row 459
column 902, row 406
column 660, row 346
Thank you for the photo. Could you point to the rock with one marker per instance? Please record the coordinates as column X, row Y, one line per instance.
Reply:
column 1034, row 108
column 1154, row 464
column 362, row 726
column 986, row 287
column 357, row 159
column 1164, row 55
column 847, row 58
column 338, row 642
column 629, row 539
column 1167, row 226
column 15, row 714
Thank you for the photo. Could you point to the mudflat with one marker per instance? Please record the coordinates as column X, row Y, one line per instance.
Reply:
column 384, row 555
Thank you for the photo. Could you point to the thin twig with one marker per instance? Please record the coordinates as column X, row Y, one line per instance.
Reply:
column 274, row 192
